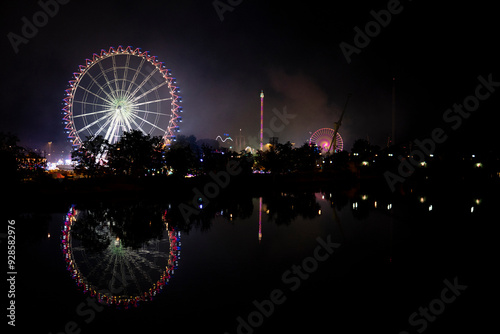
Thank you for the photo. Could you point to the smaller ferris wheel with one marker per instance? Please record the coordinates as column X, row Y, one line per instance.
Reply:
column 323, row 139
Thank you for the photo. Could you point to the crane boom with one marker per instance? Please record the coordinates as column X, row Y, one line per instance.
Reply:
column 337, row 126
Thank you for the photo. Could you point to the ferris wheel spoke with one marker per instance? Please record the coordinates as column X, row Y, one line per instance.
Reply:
column 150, row 112
column 143, row 83
column 92, row 104
column 119, row 125
column 141, row 262
column 112, row 129
column 126, row 121
column 132, row 274
column 115, row 262
column 145, row 262
column 132, row 82
column 123, row 279
column 153, row 101
column 100, row 87
column 100, row 264
column 108, row 83
column 103, row 126
column 125, row 73
column 93, row 113
column 115, row 75
column 93, row 123
column 109, row 262
column 96, row 95
column 146, row 121
column 149, row 91
column 138, row 127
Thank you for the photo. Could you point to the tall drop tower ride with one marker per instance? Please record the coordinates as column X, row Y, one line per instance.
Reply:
column 261, row 118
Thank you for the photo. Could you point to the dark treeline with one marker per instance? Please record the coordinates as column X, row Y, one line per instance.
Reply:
column 140, row 155
column 18, row 162
column 137, row 156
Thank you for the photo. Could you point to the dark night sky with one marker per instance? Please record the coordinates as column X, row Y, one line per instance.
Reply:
column 288, row 49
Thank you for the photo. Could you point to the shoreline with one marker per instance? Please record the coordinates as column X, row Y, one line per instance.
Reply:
column 50, row 192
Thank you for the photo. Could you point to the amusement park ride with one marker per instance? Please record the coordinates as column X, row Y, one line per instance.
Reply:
column 122, row 89
column 337, row 126
column 117, row 274
column 326, row 138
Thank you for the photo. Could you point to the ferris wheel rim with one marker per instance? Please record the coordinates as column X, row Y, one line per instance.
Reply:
column 121, row 108
column 102, row 295
column 328, row 133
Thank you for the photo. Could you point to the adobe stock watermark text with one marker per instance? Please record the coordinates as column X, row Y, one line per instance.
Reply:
column 292, row 278
column 453, row 116
column 30, row 26
column 362, row 38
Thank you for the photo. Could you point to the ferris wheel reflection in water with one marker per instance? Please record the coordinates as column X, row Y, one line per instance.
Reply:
column 109, row 258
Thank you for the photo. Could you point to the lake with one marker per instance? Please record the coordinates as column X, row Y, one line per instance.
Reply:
column 346, row 261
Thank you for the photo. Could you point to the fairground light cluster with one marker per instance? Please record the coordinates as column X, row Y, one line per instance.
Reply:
column 139, row 274
column 119, row 90
column 323, row 139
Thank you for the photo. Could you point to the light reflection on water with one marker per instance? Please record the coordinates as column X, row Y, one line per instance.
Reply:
column 107, row 262
column 237, row 250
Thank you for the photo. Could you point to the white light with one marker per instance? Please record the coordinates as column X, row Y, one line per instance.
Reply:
column 471, row 209
column 430, row 207
column 389, row 206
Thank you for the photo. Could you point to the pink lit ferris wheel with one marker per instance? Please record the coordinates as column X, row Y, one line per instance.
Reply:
column 323, row 138
column 120, row 90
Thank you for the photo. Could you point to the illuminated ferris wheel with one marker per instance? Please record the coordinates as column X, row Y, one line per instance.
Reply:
column 120, row 90
column 323, row 139
column 110, row 268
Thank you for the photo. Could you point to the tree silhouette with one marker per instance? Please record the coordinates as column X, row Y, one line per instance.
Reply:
column 90, row 157
column 305, row 157
column 362, row 150
column 17, row 162
column 9, row 152
column 183, row 155
column 283, row 159
column 136, row 154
